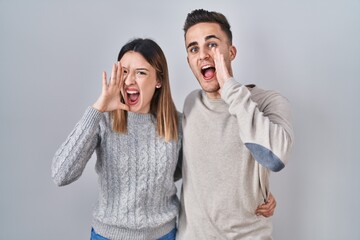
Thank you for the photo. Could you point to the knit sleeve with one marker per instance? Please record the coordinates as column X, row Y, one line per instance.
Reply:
column 70, row 159
column 267, row 133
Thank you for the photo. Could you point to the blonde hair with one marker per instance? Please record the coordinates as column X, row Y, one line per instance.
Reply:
column 162, row 106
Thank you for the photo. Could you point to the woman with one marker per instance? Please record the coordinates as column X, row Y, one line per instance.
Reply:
column 135, row 130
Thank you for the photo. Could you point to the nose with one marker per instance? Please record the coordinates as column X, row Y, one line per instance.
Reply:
column 204, row 53
column 129, row 79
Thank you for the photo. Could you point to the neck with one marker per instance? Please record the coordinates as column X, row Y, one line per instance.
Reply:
column 213, row 95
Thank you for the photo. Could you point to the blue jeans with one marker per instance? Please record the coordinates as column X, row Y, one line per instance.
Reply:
column 170, row 236
column 95, row 236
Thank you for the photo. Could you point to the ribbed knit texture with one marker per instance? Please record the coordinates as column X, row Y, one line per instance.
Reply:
column 137, row 198
column 223, row 183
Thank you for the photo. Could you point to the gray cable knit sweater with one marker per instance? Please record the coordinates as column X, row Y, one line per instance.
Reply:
column 137, row 198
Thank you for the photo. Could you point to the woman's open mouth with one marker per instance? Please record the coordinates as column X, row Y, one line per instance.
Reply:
column 132, row 96
column 208, row 72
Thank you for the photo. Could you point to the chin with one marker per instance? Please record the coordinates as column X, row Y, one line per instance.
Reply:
column 134, row 109
column 210, row 85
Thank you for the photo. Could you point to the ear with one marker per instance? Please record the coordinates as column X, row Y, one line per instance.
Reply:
column 158, row 84
column 232, row 52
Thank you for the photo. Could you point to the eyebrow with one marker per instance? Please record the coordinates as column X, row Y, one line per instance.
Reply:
column 211, row 36
column 206, row 38
column 137, row 69
column 191, row 44
column 142, row 69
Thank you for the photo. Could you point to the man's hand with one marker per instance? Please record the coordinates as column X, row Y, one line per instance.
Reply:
column 222, row 73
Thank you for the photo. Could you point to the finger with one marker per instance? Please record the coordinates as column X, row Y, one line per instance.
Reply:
column 271, row 197
column 217, row 60
column 263, row 208
column 119, row 75
column 262, row 211
column 113, row 75
column 104, row 81
column 222, row 72
column 270, row 204
column 216, row 54
column 266, row 208
column 265, row 213
column 268, row 214
column 271, row 200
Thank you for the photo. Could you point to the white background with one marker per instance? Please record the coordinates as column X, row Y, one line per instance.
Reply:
column 52, row 54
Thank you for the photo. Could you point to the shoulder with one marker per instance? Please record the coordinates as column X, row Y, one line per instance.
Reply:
column 193, row 95
column 272, row 104
column 105, row 123
column 191, row 98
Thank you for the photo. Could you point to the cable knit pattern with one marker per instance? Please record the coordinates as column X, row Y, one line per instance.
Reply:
column 137, row 198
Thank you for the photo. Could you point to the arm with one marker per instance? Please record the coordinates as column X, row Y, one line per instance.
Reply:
column 71, row 158
column 267, row 133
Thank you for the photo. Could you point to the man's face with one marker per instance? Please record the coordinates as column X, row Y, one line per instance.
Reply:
column 200, row 40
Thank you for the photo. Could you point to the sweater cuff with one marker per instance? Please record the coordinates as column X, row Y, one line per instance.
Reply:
column 91, row 117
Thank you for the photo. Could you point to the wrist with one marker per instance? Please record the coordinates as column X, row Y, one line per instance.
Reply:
column 98, row 107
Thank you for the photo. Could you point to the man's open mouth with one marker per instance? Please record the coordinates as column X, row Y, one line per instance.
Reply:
column 208, row 72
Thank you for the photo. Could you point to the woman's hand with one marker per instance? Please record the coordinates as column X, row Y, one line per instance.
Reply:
column 267, row 209
column 109, row 99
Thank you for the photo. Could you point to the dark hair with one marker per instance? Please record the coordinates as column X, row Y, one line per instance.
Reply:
column 162, row 106
column 201, row 16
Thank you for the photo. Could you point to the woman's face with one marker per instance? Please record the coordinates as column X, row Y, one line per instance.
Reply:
column 139, row 82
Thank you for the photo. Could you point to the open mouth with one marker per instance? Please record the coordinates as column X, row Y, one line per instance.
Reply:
column 208, row 72
column 132, row 96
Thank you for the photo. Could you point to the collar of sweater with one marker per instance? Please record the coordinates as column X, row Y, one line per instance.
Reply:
column 214, row 104
column 140, row 117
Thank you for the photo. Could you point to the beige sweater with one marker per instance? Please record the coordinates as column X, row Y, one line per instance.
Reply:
column 229, row 146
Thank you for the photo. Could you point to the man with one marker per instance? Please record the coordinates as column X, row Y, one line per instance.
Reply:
column 233, row 136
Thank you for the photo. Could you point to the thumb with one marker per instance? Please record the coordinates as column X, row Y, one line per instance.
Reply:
column 124, row 107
